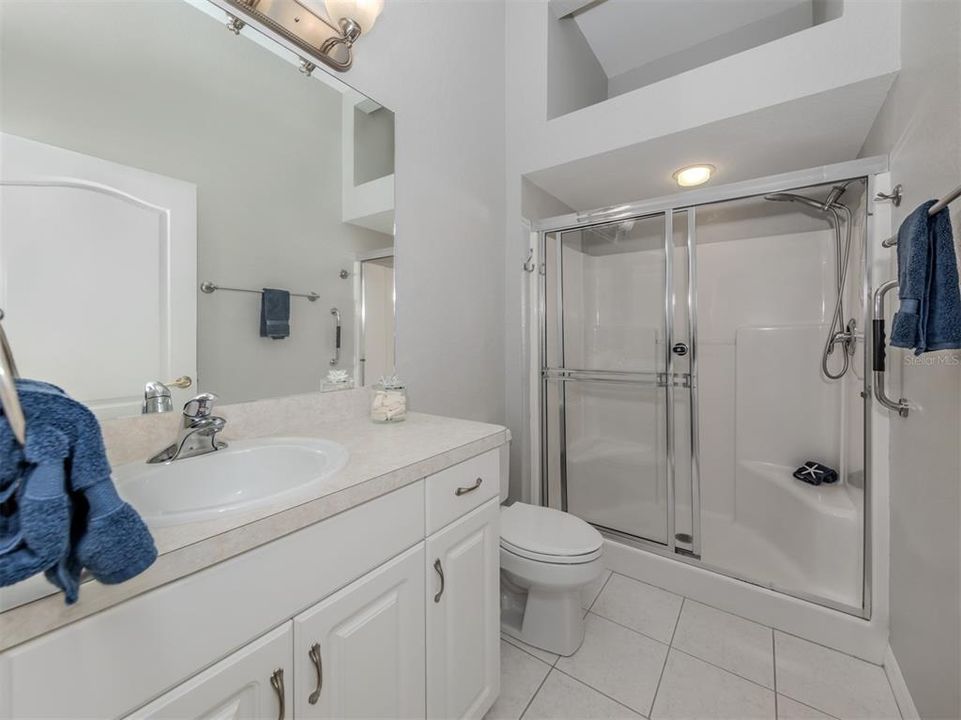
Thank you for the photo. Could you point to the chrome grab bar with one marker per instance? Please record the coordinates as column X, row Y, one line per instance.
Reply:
column 901, row 406
column 8, row 389
column 336, row 358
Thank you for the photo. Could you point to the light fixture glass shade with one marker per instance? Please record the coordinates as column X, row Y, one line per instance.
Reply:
column 693, row 175
column 362, row 12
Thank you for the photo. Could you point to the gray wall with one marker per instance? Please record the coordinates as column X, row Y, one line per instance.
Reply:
column 373, row 145
column 919, row 125
column 163, row 87
column 575, row 78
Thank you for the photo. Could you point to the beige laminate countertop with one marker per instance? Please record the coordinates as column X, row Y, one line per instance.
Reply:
column 383, row 458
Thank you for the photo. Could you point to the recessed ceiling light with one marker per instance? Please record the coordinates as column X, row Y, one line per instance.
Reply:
column 693, row 175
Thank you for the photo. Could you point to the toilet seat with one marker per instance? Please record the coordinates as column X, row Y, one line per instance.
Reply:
column 548, row 535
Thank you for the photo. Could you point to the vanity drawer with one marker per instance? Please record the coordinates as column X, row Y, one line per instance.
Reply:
column 461, row 488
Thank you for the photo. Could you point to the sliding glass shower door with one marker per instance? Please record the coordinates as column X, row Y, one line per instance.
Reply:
column 616, row 361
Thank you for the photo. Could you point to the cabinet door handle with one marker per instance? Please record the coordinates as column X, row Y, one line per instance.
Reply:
column 314, row 655
column 277, row 683
column 464, row 490
column 440, row 571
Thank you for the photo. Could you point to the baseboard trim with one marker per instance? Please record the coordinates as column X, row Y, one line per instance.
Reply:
column 900, row 688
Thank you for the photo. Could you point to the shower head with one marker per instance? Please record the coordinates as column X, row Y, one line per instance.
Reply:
column 830, row 202
column 791, row 197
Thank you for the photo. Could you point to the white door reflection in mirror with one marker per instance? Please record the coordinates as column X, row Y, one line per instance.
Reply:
column 97, row 273
column 377, row 319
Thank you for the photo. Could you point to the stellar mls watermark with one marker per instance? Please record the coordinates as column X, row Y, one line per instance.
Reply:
column 934, row 360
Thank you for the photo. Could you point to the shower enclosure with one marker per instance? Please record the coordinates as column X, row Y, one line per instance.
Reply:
column 693, row 355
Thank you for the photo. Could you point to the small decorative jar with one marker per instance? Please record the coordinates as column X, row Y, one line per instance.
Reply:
column 389, row 403
column 337, row 380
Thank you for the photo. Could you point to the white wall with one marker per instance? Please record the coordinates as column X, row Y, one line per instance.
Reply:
column 267, row 172
column 440, row 67
column 919, row 125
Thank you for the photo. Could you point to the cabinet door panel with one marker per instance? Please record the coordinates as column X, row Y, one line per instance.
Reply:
column 239, row 687
column 463, row 609
column 368, row 646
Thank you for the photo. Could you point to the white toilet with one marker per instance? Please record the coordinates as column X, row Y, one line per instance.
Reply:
column 547, row 558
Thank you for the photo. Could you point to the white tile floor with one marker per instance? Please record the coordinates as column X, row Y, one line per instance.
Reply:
column 650, row 653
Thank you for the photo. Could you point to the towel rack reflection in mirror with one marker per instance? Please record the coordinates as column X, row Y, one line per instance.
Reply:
column 933, row 210
column 880, row 391
column 208, row 287
column 8, row 389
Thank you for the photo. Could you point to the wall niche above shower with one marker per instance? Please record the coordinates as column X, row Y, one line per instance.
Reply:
column 599, row 49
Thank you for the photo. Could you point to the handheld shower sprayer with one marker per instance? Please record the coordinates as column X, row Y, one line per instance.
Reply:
column 838, row 333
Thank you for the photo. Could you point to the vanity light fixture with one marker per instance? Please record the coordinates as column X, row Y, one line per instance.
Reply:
column 693, row 175
column 318, row 31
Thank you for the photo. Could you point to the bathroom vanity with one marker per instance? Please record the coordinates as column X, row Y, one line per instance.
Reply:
column 377, row 599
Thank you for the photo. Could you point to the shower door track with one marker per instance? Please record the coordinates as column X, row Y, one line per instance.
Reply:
column 862, row 169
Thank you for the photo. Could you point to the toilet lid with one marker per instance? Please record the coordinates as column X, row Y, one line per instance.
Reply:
column 547, row 532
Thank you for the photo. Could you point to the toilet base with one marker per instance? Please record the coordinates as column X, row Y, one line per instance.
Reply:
column 547, row 615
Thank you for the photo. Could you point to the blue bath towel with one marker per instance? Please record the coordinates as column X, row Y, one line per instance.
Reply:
column 59, row 510
column 274, row 314
column 929, row 317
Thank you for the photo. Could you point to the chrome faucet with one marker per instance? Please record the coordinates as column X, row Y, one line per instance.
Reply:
column 157, row 397
column 198, row 431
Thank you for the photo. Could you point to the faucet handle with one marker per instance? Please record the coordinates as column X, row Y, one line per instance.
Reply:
column 200, row 406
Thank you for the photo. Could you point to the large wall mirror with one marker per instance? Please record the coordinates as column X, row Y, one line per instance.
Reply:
column 148, row 152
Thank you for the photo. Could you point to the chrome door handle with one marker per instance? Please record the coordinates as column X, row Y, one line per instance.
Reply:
column 464, row 490
column 314, row 655
column 277, row 683
column 440, row 571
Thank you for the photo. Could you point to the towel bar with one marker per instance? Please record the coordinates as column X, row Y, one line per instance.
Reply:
column 8, row 389
column 942, row 203
column 880, row 392
column 208, row 287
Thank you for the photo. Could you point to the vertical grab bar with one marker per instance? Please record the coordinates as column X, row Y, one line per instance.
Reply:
column 336, row 358
column 8, row 389
column 880, row 392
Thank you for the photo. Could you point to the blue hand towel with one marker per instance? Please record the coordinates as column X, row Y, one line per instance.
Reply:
column 929, row 316
column 59, row 510
column 274, row 314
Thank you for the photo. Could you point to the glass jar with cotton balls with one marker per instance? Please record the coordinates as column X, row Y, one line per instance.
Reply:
column 389, row 401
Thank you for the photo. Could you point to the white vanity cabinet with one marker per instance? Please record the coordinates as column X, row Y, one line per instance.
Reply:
column 360, row 653
column 463, row 615
column 346, row 618
column 254, row 682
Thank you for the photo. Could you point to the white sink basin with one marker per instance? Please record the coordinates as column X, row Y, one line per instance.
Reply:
column 244, row 476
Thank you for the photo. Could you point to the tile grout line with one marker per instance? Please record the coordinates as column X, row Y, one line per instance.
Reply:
column 601, row 692
column 774, row 669
column 667, row 656
column 536, row 692
column 742, row 617
column 809, row 705
column 723, row 669
column 610, row 574
column 827, row 647
column 628, row 627
column 511, row 642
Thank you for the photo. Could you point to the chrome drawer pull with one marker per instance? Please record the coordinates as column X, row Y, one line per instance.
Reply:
column 464, row 490
column 314, row 655
column 277, row 682
column 440, row 571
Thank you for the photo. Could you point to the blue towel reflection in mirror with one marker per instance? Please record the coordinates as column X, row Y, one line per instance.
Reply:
column 274, row 314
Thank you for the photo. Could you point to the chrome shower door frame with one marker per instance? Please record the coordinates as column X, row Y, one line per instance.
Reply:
column 864, row 170
column 669, row 380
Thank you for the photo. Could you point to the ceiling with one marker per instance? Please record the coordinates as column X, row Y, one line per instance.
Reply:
column 627, row 34
column 820, row 129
